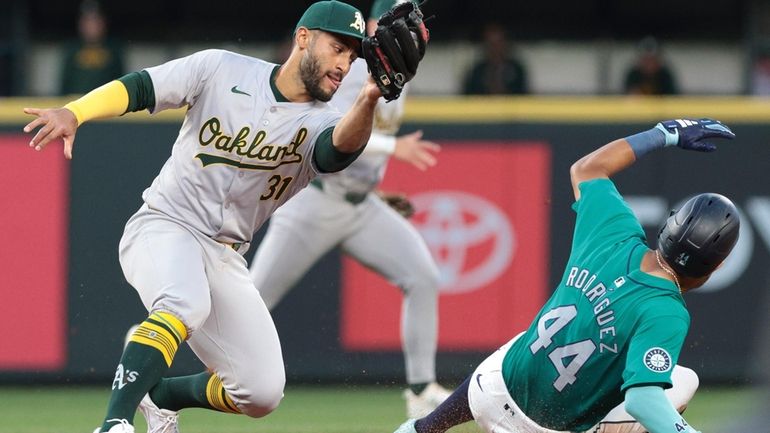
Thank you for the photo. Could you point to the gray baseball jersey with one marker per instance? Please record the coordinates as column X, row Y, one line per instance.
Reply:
column 340, row 211
column 241, row 152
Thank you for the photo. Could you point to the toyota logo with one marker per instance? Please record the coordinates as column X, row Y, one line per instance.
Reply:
column 471, row 238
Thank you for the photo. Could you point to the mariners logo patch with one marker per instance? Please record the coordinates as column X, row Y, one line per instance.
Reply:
column 657, row 360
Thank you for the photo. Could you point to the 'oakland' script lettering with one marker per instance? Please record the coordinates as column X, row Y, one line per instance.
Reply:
column 242, row 144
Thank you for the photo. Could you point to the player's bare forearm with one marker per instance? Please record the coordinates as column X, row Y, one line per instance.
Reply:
column 355, row 127
column 602, row 163
column 688, row 134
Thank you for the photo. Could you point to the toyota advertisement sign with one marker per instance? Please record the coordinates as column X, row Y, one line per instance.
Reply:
column 488, row 237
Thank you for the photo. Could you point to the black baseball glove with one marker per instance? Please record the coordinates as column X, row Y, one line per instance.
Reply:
column 399, row 202
column 396, row 48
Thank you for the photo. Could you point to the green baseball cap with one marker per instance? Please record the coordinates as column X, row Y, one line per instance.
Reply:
column 334, row 17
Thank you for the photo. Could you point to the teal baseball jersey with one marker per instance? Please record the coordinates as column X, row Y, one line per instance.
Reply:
column 607, row 327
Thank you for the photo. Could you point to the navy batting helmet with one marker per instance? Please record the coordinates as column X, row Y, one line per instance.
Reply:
column 695, row 239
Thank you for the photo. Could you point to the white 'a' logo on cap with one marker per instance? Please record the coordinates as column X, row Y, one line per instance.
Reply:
column 358, row 22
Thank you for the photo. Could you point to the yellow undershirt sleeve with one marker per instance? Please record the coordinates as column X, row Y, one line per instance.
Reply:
column 109, row 100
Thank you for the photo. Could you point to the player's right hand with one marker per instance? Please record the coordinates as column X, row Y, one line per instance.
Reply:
column 413, row 149
column 693, row 134
column 54, row 123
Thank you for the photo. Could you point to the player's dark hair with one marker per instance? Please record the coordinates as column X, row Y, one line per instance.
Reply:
column 696, row 239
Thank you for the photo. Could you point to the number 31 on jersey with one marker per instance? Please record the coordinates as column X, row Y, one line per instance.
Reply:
column 276, row 185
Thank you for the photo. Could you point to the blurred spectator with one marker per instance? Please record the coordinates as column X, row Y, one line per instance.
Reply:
column 93, row 59
column 498, row 73
column 760, row 75
column 650, row 75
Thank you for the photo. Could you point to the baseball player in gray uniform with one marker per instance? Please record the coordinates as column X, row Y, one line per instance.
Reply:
column 341, row 209
column 254, row 134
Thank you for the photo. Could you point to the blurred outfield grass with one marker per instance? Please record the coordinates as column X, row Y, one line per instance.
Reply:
column 353, row 409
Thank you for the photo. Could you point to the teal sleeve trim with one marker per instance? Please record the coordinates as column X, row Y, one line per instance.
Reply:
column 650, row 406
column 327, row 158
column 141, row 94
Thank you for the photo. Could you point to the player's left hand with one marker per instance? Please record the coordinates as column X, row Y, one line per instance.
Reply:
column 54, row 123
column 413, row 149
column 399, row 202
column 694, row 134
column 371, row 90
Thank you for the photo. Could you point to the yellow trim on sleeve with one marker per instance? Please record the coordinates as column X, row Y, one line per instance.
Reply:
column 109, row 100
